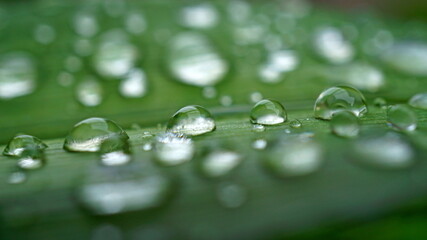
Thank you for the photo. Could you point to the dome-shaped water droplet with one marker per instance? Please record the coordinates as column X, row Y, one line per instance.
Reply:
column 193, row 60
column 402, row 117
column 17, row 75
column 268, row 112
column 336, row 99
column 295, row 124
column 191, row 120
column 115, row 150
column 360, row 75
column 295, row 157
column 173, row 149
column 419, row 101
column 89, row 92
column 407, row 57
column 134, row 84
column 85, row 24
column 220, row 162
column 44, row 34
column 345, row 124
column 278, row 63
column 258, row 128
column 18, row 144
column 147, row 141
column 89, row 134
column 201, row 16
column 231, row 195
column 259, row 144
column 386, row 150
column 115, row 55
column 331, row 45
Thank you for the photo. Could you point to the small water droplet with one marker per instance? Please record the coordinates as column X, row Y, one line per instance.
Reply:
column 28, row 149
column 115, row 151
column 419, row 101
column 295, row 157
column 336, row 99
column 220, row 162
column 380, row 102
column 255, row 97
column 258, row 128
column 259, row 144
column 402, row 117
column 17, row 75
column 295, row 123
column 278, row 63
column 17, row 178
column 331, row 45
column 44, row 34
column 134, row 84
column 89, row 134
column 345, row 124
column 268, row 112
column 191, row 120
column 173, row 149
column 231, row 195
column 135, row 23
column 85, row 24
column 407, row 57
column 201, row 16
column 89, row 92
column 287, row 131
column 226, row 101
column 193, row 60
column 209, row 92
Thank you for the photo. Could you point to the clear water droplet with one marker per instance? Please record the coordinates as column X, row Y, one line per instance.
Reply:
column 173, row 149
column 330, row 44
column 345, row 124
column 89, row 92
column 336, row 99
column 135, row 23
column 44, row 34
column 17, row 75
column 380, row 102
column 115, row 55
column 295, row 157
column 85, row 24
column 193, row 60
column 258, row 128
column 295, row 123
column 419, row 101
column 134, row 84
column 209, row 92
column 115, row 151
column 17, row 178
column 201, row 16
column 18, row 144
column 89, row 134
column 360, row 75
column 191, row 120
column 259, row 144
column 231, row 195
column 147, row 141
column 407, row 57
column 219, row 163
column 268, row 112
column 402, row 117
column 278, row 63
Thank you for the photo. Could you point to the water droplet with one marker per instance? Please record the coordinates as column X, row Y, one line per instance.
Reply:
column 287, row 131
column 191, row 120
column 407, row 57
column 201, row 16
column 331, row 45
column 336, row 99
column 115, row 55
column 380, row 102
column 135, row 23
column 295, row 157
column 402, row 117
column 173, row 149
column 89, row 134
column 124, row 195
column 44, row 34
column 345, row 124
column 419, row 101
column 85, row 24
column 386, row 150
column 255, row 97
column 231, row 195
column 17, row 75
column 226, row 100
column 147, row 141
column 259, row 144
column 209, row 92
column 193, row 60
column 278, row 63
column 17, row 178
column 134, row 85
column 360, row 75
column 268, row 112
column 89, row 92
column 115, row 151
column 295, row 123
column 18, row 144
column 258, row 128
column 220, row 162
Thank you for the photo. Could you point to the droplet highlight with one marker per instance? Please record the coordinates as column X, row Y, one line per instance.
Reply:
column 268, row 112
column 191, row 120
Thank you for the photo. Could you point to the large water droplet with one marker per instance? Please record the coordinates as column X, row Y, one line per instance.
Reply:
column 268, row 112
column 173, row 149
column 295, row 157
column 231, row 195
column 278, row 63
column 89, row 92
column 115, row 55
column 345, row 124
column 85, row 24
column 336, row 99
column 220, row 162
column 44, row 34
column 385, row 150
column 134, row 85
column 407, row 57
column 17, row 75
column 402, row 117
column 115, row 151
column 419, row 101
column 191, row 120
column 89, row 134
column 202, row 16
column 193, row 60
column 331, row 45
